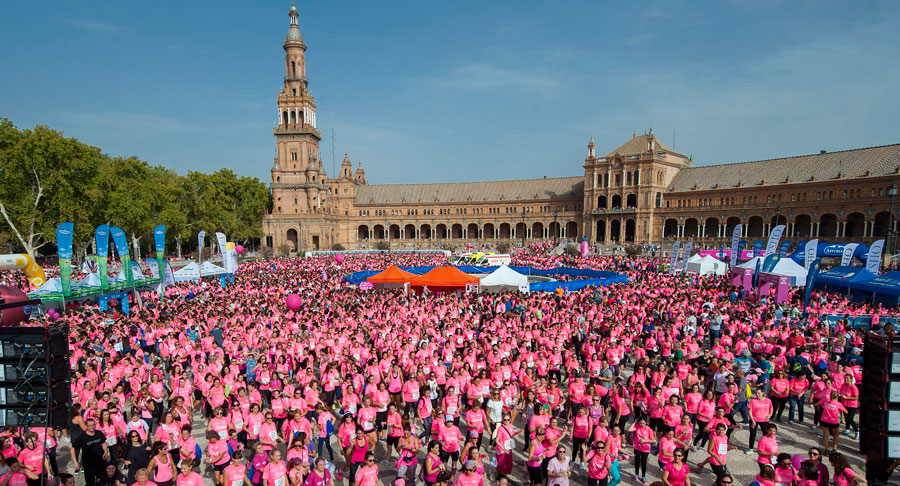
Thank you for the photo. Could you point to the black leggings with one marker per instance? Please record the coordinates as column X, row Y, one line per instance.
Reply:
column 760, row 426
column 778, row 404
column 536, row 475
column 702, row 436
column 850, row 418
column 576, row 446
column 598, row 482
column 640, row 463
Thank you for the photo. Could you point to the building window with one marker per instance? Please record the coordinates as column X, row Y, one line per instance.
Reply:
column 293, row 155
column 618, row 180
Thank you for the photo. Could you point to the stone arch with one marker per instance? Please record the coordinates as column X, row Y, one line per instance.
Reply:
column 615, row 230
column 362, row 233
column 711, row 227
column 730, row 224
column 554, row 229
column 293, row 238
column 425, row 232
column 601, row 202
column 828, row 225
column 754, row 226
column 379, row 232
column 456, row 231
column 630, row 229
column 670, row 228
column 505, row 230
column 394, row 232
column 631, row 201
column 441, row 231
column 856, row 225
column 616, row 201
column 601, row 231
column 537, row 230
column 472, row 231
column 521, row 231
column 488, row 229
column 572, row 229
column 803, row 226
column 880, row 223
column 409, row 232
column 691, row 228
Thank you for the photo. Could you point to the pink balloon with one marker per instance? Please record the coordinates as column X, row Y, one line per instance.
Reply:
column 339, row 258
column 293, row 302
column 239, row 249
column 797, row 461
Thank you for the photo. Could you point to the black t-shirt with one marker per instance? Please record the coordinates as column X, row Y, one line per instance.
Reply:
column 104, row 480
column 91, row 447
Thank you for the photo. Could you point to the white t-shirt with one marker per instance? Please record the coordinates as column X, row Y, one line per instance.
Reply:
column 495, row 410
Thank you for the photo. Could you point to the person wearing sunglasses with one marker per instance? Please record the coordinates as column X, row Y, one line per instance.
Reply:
column 137, row 455
column 724, row 480
column 535, row 458
column 558, row 469
column 785, row 474
column 469, row 475
column 599, row 463
column 815, row 456
column 677, row 472
column 367, row 475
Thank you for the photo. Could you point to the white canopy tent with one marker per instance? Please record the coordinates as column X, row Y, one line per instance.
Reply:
column 787, row 267
column 191, row 271
column 751, row 263
column 504, row 278
column 706, row 265
column 209, row 269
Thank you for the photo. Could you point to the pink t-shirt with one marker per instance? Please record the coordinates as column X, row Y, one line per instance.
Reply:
column 831, row 412
column 275, row 473
column 677, row 476
column 213, row 449
column 642, row 434
column 367, row 476
column 767, row 444
column 192, row 479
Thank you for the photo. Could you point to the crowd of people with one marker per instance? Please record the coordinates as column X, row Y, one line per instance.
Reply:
column 226, row 385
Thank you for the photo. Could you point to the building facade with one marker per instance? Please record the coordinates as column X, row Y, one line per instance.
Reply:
column 642, row 192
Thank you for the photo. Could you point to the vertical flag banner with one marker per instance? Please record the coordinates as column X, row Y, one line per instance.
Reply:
column 101, row 241
column 740, row 251
column 121, row 243
column 756, row 272
column 757, row 248
column 848, row 253
column 783, row 249
column 812, row 247
column 873, row 262
column 687, row 254
column 770, row 262
column 721, row 252
column 774, row 238
column 675, row 248
column 810, row 278
column 64, row 250
column 735, row 238
column 223, row 247
column 159, row 241
column 201, row 239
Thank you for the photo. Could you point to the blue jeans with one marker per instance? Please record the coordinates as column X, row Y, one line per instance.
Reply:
column 326, row 441
column 742, row 408
column 795, row 401
column 713, row 335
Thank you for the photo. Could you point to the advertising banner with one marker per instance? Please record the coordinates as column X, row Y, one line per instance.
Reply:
column 848, row 254
column 873, row 262
column 674, row 258
column 101, row 241
column 64, row 250
column 201, row 239
column 812, row 247
column 121, row 243
column 735, row 239
column 687, row 254
column 757, row 248
column 159, row 242
column 774, row 238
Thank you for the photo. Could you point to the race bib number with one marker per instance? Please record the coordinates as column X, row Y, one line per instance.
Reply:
column 256, row 430
column 279, row 482
column 510, row 444
column 723, row 449
column 368, row 425
column 110, row 441
column 273, row 435
column 237, row 482
column 223, row 434
column 415, row 395
column 451, row 410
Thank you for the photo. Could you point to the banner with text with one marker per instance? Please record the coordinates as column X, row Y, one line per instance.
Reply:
column 101, row 242
column 735, row 239
column 121, row 242
column 873, row 262
column 64, row 250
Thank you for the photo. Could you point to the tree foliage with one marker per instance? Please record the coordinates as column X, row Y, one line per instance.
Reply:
column 49, row 178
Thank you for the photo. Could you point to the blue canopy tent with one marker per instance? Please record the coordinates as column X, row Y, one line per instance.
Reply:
column 842, row 278
column 833, row 250
column 885, row 288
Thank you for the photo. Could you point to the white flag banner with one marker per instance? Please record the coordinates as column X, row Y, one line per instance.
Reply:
column 687, row 254
column 809, row 254
column 774, row 238
column 201, row 240
column 223, row 246
column 735, row 240
column 848, row 254
column 873, row 262
column 675, row 248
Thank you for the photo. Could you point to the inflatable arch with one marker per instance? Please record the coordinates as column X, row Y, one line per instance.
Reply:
column 23, row 262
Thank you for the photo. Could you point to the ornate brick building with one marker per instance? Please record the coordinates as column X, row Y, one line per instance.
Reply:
column 641, row 192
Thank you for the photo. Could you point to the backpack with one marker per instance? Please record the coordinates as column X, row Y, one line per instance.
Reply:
column 199, row 453
column 796, row 367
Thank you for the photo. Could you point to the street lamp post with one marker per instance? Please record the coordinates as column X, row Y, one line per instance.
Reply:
column 891, row 192
column 555, row 224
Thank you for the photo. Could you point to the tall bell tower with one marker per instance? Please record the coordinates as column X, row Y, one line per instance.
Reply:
column 298, row 178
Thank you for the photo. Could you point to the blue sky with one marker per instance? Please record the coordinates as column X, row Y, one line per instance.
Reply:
column 463, row 90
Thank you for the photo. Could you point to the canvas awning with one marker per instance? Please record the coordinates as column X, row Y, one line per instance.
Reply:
column 444, row 277
column 504, row 278
column 392, row 274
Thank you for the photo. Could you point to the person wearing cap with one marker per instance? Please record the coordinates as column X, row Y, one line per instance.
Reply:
column 469, row 476
column 450, row 438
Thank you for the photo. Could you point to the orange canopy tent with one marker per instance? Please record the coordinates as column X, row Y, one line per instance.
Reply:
column 392, row 275
column 444, row 278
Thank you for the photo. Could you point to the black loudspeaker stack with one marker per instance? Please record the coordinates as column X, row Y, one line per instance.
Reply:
column 34, row 377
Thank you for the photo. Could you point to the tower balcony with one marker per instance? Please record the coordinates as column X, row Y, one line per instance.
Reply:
column 296, row 129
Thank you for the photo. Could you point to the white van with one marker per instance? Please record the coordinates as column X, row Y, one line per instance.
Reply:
column 496, row 260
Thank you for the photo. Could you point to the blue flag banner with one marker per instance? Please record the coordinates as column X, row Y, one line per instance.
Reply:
column 783, row 249
column 810, row 279
column 757, row 248
column 121, row 243
column 64, row 250
column 101, row 241
column 740, row 249
column 770, row 262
